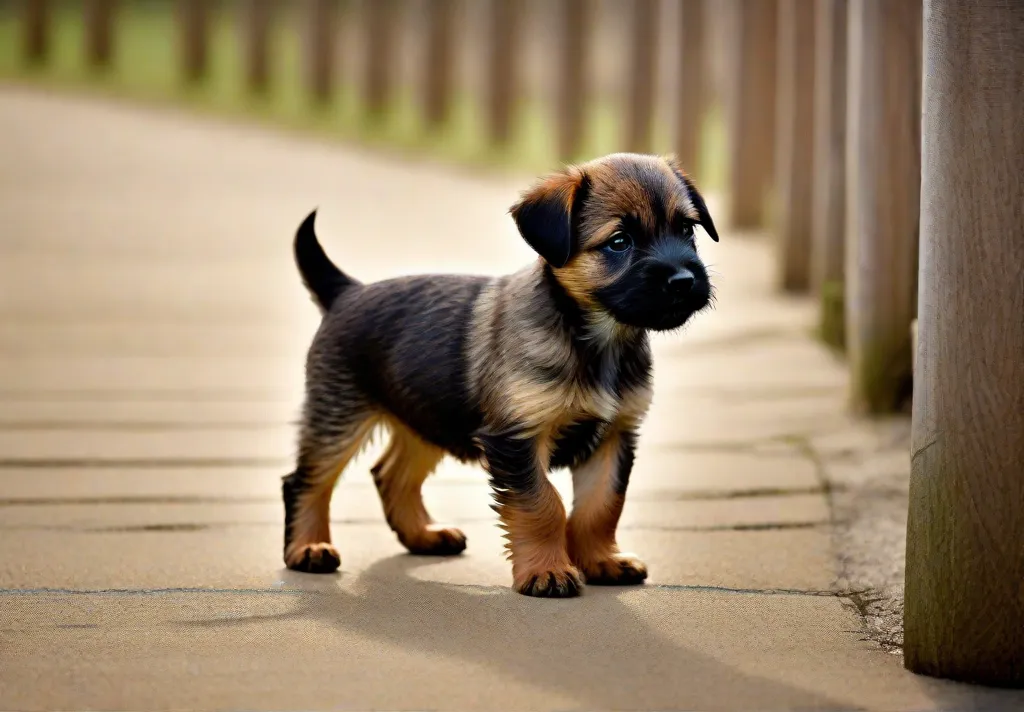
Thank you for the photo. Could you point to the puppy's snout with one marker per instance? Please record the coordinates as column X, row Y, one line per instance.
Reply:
column 680, row 282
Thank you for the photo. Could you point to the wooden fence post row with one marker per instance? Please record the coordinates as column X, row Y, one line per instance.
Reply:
column 319, row 20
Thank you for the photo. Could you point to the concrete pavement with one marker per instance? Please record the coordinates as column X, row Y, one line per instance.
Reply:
column 152, row 331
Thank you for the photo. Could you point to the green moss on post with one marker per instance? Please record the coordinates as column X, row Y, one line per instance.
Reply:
column 832, row 327
column 880, row 382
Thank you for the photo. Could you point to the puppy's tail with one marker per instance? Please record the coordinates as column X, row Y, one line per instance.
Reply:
column 321, row 277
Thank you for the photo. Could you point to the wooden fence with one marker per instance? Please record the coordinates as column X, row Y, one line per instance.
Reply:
column 822, row 102
column 501, row 50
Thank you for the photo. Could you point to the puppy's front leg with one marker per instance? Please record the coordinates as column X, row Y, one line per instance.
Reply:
column 532, row 515
column 599, row 492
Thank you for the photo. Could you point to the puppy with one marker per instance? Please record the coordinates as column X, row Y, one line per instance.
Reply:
column 545, row 368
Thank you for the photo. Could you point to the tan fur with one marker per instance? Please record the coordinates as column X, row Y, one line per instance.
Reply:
column 596, row 509
column 312, row 525
column 497, row 360
column 399, row 474
column 536, row 529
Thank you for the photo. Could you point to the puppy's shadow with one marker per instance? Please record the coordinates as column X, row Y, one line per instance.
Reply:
column 594, row 649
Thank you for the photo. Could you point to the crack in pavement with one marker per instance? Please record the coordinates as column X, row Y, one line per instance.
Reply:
column 642, row 496
column 34, row 463
column 170, row 591
column 208, row 526
column 140, row 426
column 190, row 590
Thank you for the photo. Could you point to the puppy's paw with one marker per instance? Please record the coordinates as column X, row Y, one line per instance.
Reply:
column 314, row 559
column 564, row 582
column 616, row 570
column 436, row 541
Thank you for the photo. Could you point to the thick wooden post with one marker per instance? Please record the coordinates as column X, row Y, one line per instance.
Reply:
column 36, row 20
column 572, row 89
column 750, row 106
column 794, row 161
column 964, row 608
column 828, row 191
column 194, row 17
column 439, row 61
column 380, row 54
column 883, row 191
column 502, row 78
column 642, row 80
column 692, row 90
column 321, row 48
column 256, row 40
column 99, row 31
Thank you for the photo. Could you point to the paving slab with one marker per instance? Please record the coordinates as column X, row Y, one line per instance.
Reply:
column 241, row 554
column 666, row 473
column 457, row 503
column 373, row 643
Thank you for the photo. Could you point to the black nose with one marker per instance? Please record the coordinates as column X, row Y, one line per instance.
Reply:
column 681, row 282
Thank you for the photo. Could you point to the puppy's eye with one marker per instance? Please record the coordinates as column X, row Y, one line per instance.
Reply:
column 687, row 230
column 619, row 242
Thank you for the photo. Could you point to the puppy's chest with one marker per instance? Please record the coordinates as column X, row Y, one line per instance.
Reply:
column 579, row 417
column 572, row 397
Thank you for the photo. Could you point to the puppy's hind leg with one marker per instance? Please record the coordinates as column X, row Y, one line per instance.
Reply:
column 326, row 447
column 399, row 476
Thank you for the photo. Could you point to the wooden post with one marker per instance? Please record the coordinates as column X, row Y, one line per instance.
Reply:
column 98, row 16
column 572, row 89
column 439, row 64
column 195, row 37
column 380, row 54
column 794, row 161
column 642, row 80
column 36, row 26
column 692, row 93
column 321, row 48
column 883, row 198
column 256, row 40
column 828, row 199
column 964, row 608
column 750, row 106
column 502, row 79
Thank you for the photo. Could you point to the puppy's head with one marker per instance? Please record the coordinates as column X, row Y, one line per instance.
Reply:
column 620, row 236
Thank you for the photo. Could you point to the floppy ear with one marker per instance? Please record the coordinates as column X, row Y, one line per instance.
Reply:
column 545, row 215
column 704, row 218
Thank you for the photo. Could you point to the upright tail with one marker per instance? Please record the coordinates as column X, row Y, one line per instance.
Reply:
column 321, row 277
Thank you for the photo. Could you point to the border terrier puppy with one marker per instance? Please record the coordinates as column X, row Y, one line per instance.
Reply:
column 545, row 368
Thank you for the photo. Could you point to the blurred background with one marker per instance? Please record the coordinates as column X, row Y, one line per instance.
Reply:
column 524, row 82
